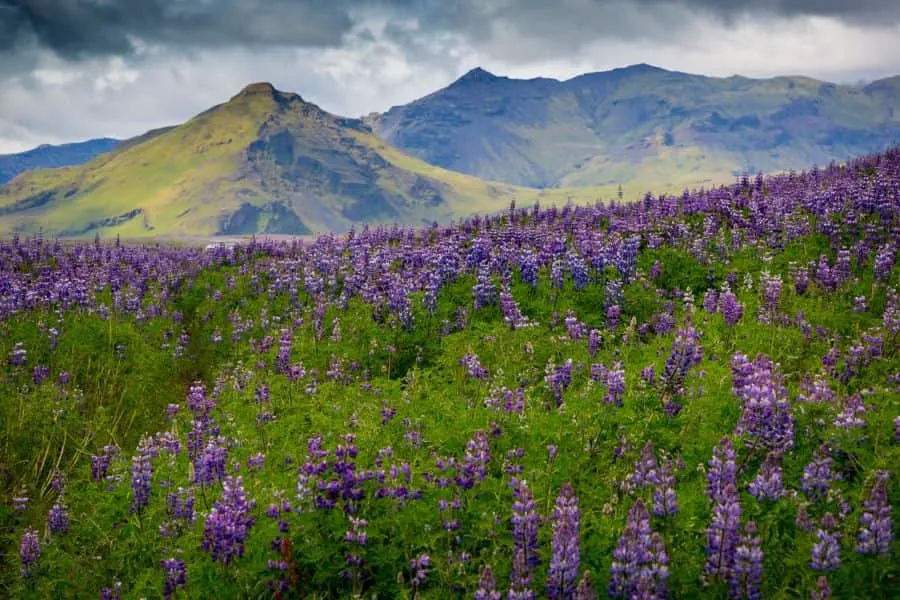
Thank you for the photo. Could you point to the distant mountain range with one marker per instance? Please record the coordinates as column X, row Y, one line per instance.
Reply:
column 264, row 162
column 640, row 123
column 48, row 157
column 269, row 162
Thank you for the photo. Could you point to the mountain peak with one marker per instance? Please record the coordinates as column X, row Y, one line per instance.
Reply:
column 262, row 87
column 477, row 75
column 643, row 67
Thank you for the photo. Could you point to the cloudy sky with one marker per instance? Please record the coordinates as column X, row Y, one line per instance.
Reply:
column 76, row 69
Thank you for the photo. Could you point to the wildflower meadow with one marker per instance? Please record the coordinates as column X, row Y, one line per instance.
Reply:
column 692, row 396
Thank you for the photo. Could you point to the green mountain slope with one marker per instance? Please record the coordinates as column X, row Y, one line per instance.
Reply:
column 264, row 162
column 640, row 123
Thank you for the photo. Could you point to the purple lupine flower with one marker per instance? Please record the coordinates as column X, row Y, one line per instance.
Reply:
column 484, row 292
column 520, row 579
column 551, row 452
column 595, row 338
column 817, row 475
column 487, row 586
column 768, row 484
column 665, row 500
column 19, row 355
column 419, row 566
column 575, row 328
column 771, row 294
column 613, row 316
column 746, row 578
column 826, row 552
column 475, row 461
column 815, row 390
column 802, row 521
column 731, row 309
column 172, row 411
column 58, row 480
column 875, row 532
column 891, row 316
column 141, row 476
column 29, row 552
column 58, row 517
column 585, row 588
column 559, row 377
column 884, row 262
column 40, row 373
column 686, row 353
column 851, row 413
column 228, row 522
column 640, row 562
column 512, row 315
column 525, row 521
column 113, row 593
column 255, row 462
column 358, row 537
column 283, row 359
column 831, row 358
column 646, row 471
column 722, row 469
column 722, row 534
column 710, row 301
column 100, row 463
column 663, row 323
column 261, row 394
column 615, row 384
column 387, row 413
column 211, row 463
column 648, row 374
column 176, row 576
column 822, row 591
column 766, row 419
column 565, row 558
column 801, row 281
column 181, row 504
column 473, row 366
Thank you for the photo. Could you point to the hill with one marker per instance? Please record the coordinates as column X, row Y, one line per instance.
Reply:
column 640, row 123
column 47, row 156
column 266, row 161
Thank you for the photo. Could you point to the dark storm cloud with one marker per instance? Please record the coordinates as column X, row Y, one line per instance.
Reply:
column 75, row 69
column 81, row 28
column 847, row 10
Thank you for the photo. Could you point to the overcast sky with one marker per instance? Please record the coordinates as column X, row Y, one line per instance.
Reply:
column 76, row 69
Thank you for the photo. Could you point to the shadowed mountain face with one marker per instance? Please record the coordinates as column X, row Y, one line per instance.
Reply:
column 264, row 162
column 640, row 122
column 48, row 157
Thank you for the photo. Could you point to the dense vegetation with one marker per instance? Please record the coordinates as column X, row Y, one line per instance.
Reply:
column 690, row 396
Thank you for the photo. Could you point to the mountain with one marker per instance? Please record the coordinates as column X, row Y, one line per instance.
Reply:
column 266, row 161
column 47, row 156
column 640, row 123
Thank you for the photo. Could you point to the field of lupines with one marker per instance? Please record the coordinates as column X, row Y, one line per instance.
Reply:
column 686, row 397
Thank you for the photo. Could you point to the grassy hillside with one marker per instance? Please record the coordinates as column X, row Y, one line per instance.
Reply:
column 264, row 162
column 641, row 123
